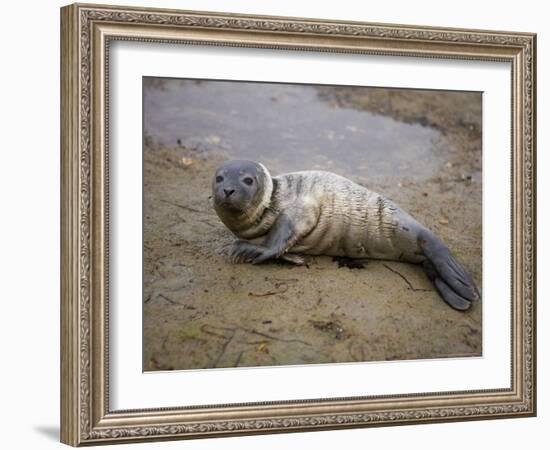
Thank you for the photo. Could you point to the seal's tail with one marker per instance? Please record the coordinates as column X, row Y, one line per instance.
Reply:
column 451, row 280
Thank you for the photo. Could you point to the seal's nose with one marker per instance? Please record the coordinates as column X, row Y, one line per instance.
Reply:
column 228, row 192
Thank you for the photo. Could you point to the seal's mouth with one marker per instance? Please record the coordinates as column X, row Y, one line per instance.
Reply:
column 229, row 205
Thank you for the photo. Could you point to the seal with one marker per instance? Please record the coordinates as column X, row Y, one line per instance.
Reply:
column 321, row 213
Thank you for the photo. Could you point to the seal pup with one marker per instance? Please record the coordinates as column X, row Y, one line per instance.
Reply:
column 321, row 213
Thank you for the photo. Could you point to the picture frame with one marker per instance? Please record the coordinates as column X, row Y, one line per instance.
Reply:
column 87, row 32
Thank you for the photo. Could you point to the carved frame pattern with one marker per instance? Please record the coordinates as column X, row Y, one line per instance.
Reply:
column 86, row 418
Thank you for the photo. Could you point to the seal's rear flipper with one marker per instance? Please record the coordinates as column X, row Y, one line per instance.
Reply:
column 450, row 297
column 451, row 280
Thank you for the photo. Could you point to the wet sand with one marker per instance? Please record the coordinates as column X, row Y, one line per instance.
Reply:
column 202, row 312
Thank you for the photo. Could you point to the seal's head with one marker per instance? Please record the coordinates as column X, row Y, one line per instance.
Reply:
column 241, row 191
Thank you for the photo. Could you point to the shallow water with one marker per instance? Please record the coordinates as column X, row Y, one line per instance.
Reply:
column 287, row 127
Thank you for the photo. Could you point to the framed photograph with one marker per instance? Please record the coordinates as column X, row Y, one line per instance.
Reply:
column 275, row 224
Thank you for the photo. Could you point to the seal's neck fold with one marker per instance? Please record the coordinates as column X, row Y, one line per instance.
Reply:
column 252, row 217
column 265, row 200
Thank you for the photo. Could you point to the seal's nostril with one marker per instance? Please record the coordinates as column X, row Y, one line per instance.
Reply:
column 228, row 192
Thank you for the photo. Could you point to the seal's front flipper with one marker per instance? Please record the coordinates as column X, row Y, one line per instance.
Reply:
column 244, row 251
column 281, row 237
column 289, row 226
column 451, row 280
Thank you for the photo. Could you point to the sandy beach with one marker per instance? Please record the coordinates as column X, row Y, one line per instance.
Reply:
column 201, row 312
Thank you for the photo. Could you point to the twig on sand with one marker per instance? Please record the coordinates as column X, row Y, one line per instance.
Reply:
column 282, row 289
column 163, row 345
column 239, row 359
column 406, row 281
column 275, row 338
column 281, row 286
column 282, row 280
column 169, row 300
column 224, row 348
column 212, row 330
column 187, row 208
column 206, row 222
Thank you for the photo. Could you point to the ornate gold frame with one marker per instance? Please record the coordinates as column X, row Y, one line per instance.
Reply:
column 86, row 31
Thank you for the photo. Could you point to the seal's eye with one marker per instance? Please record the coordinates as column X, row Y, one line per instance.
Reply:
column 219, row 179
column 248, row 181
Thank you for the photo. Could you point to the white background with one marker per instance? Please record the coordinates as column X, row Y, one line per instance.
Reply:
column 133, row 389
column 29, row 181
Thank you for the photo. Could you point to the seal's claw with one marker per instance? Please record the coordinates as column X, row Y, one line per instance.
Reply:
column 236, row 254
column 263, row 256
column 244, row 251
